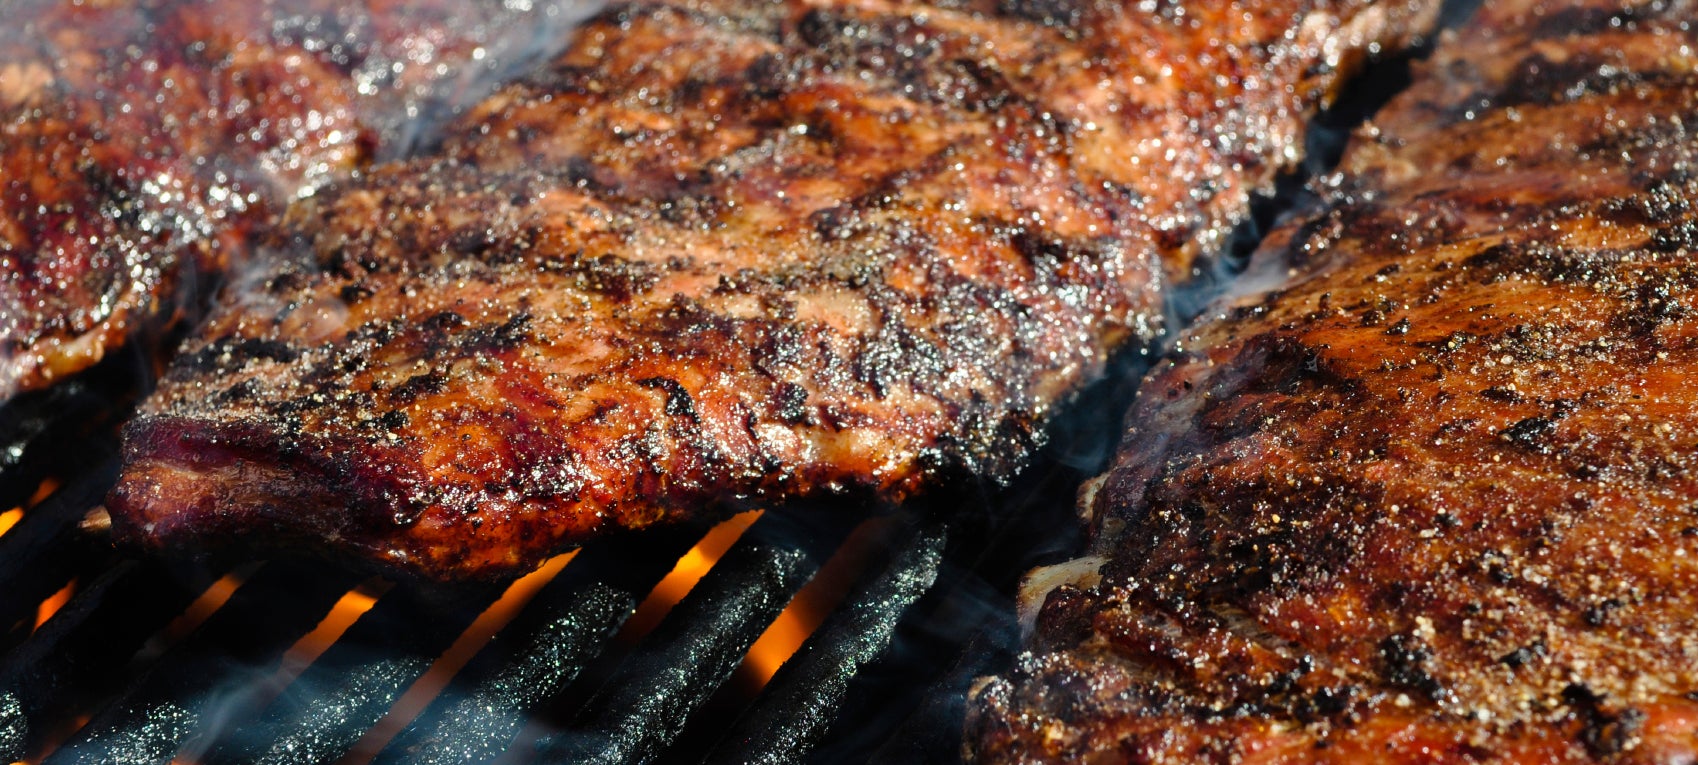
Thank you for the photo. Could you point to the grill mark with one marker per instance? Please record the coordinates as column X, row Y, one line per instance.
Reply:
column 854, row 289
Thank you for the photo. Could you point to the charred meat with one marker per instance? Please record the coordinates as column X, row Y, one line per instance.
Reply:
column 141, row 141
column 1433, row 496
column 728, row 253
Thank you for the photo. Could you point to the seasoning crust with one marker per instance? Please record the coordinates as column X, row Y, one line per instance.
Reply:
column 728, row 253
column 1425, row 493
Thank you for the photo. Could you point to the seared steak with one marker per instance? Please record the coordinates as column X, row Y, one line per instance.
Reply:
column 1433, row 496
column 141, row 140
column 728, row 253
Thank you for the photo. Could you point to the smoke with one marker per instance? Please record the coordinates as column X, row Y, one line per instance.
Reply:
column 427, row 88
column 1233, row 271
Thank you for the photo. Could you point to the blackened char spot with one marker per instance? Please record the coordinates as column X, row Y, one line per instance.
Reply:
column 1503, row 395
column 354, row 293
column 1661, row 203
column 792, row 404
column 1326, row 702
column 767, row 78
column 1520, row 657
column 820, row 27
column 1065, row 15
column 1682, row 235
column 1541, row 80
column 416, row 386
column 1606, row 733
column 477, row 242
column 608, row 275
column 678, row 400
column 1406, row 658
column 443, row 322
column 1532, row 434
column 1045, row 253
column 835, row 223
column 506, row 336
column 1580, row 19
column 897, row 354
column 227, row 354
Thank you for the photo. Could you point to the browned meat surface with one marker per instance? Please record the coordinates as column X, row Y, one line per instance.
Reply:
column 723, row 254
column 141, row 140
column 1434, row 497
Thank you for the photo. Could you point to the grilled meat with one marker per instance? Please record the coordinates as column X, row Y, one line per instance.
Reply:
column 1432, row 496
column 722, row 254
column 140, row 141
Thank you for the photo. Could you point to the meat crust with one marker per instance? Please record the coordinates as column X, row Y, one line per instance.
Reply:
column 1430, row 493
column 141, row 141
column 727, row 253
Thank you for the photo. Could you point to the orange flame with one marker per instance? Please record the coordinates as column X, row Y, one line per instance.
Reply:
column 348, row 609
column 10, row 518
column 205, row 605
column 54, row 602
column 42, row 492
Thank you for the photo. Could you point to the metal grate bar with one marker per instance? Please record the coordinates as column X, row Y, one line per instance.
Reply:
column 538, row 655
column 86, row 641
column 642, row 708
column 215, row 672
column 46, row 548
column 800, row 703
column 354, row 683
column 41, row 431
column 963, row 627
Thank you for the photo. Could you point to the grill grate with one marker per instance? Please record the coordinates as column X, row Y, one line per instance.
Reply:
column 794, row 713
column 537, row 657
column 155, row 661
column 643, row 707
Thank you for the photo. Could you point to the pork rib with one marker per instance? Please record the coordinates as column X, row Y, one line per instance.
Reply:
column 1432, row 496
column 140, row 141
column 727, row 253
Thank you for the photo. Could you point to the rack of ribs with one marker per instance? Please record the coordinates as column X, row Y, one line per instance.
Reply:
column 728, row 253
column 141, row 141
column 1432, row 494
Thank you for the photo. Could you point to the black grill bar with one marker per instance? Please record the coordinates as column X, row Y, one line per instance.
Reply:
column 87, row 640
column 41, row 431
column 217, row 671
column 800, row 703
column 46, row 548
column 354, row 683
column 642, row 708
column 532, row 661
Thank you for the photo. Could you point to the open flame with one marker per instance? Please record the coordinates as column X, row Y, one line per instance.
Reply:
column 11, row 517
column 348, row 609
column 54, row 602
